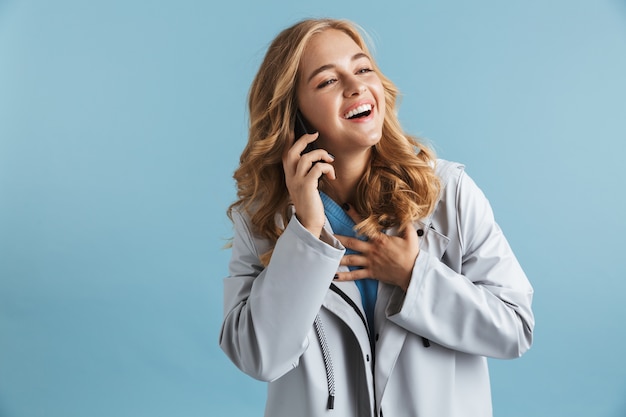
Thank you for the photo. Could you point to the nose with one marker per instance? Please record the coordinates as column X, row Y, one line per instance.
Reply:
column 354, row 87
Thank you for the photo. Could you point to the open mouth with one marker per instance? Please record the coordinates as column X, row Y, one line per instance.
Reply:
column 363, row 110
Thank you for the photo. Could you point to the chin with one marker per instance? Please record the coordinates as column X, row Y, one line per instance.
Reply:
column 375, row 137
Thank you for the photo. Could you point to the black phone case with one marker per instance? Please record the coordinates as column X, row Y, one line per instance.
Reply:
column 302, row 128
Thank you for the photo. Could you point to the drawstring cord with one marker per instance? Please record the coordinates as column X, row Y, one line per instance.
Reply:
column 328, row 363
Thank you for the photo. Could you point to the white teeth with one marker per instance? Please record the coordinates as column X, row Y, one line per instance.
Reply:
column 362, row 108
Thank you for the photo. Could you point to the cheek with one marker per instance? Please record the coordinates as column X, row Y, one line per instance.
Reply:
column 382, row 108
column 321, row 113
column 308, row 110
column 318, row 118
column 381, row 99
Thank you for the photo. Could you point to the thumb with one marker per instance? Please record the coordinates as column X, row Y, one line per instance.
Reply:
column 409, row 232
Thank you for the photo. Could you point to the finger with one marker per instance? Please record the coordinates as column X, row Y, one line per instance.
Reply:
column 409, row 229
column 353, row 243
column 308, row 160
column 291, row 154
column 409, row 233
column 322, row 168
column 353, row 275
column 303, row 141
column 354, row 260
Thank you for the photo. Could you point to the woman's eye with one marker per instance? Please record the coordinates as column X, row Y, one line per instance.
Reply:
column 364, row 70
column 326, row 83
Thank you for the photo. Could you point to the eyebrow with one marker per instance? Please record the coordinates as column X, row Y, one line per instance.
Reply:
column 330, row 66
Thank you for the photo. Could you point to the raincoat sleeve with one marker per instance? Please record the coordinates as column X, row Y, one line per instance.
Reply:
column 484, row 306
column 269, row 311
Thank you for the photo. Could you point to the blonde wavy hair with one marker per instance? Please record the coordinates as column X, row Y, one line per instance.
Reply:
column 398, row 187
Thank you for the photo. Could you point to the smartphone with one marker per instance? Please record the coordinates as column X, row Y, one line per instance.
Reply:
column 301, row 128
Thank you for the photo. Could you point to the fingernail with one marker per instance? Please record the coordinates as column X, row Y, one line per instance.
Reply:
column 336, row 277
column 345, row 206
column 331, row 155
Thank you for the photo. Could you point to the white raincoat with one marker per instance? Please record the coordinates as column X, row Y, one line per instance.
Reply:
column 291, row 325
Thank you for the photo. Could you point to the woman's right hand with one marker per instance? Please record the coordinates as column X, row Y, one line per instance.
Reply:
column 302, row 174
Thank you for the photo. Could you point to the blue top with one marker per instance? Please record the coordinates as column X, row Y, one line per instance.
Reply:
column 342, row 224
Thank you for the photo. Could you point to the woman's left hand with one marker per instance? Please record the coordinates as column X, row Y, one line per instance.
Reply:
column 389, row 259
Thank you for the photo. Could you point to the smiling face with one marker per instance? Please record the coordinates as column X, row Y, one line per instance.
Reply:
column 340, row 94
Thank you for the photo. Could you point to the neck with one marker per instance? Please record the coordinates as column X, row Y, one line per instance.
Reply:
column 349, row 171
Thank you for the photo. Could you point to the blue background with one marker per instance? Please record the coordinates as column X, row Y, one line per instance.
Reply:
column 121, row 123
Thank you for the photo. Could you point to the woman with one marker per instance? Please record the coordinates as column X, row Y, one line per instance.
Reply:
column 367, row 277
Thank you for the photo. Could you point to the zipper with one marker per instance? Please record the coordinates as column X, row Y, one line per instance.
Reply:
column 352, row 304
